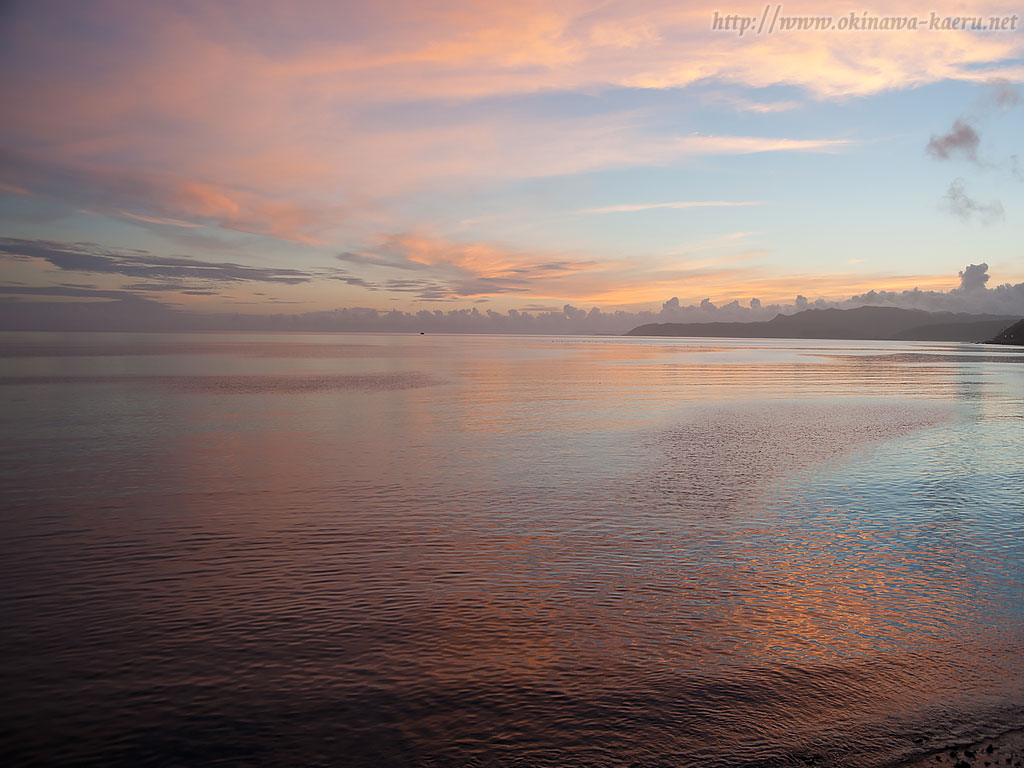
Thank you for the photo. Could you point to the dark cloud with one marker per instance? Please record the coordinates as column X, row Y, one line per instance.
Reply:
column 123, row 312
column 64, row 290
column 412, row 286
column 433, row 290
column 427, row 290
column 86, row 257
column 961, row 139
column 551, row 268
column 158, row 287
column 489, row 285
column 27, row 306
column 960, row 204
column 357, row 281
column 138, row 313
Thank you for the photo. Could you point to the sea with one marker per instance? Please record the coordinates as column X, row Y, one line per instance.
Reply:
column 467, row 550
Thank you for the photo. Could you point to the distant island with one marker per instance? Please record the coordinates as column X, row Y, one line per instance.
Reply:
column 869, row 323
column 1012, row 335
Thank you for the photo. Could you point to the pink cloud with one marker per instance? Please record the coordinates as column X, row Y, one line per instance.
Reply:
column 190, row 112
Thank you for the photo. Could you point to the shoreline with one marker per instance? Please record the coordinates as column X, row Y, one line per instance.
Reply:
column 1004, row 750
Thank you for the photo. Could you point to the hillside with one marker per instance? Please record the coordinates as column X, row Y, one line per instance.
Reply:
column 877, row 323
column 1012, row 335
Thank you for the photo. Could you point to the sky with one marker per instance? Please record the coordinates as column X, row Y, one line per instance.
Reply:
column 334, row 164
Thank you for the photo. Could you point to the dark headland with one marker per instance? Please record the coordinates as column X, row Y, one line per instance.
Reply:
column 1012, row 335
column 870, row 323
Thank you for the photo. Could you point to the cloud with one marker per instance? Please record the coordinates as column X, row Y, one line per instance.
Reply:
column 959, row 203
column 131, row 310
column 448, row 269
column 961, row 139
column 1005, row 94
column 425, row 290
column 964, row 140
column 63, row 290
column 762, row 107
column 268, row 127
column 973, row 278
column 168, row 286
column 357, row 281
column 490, row 286
column 410, row 264
column 166, row 198
column 486, row 148
column 682, row 204
column 971, row 295
column 89, row 258
column 380, row 258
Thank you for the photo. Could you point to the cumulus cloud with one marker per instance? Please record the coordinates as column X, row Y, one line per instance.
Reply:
column 453, row 275
column 127, row 310
column 971, row 295
column 973, row 278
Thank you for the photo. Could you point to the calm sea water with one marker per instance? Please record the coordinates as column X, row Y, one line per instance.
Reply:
column 385, row 550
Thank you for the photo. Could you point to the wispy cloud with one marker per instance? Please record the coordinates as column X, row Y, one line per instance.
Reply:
column 449, row 270
column 88, row 258
column 166, row 198
column 768, row 107
column 679, row 204
column 962, row 205
column 747, row 145
column 331, row 123
column 262, row 127
column 1003, row 94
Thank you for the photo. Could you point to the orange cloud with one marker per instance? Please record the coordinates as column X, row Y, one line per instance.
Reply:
column 245, row 125
column 724, row 269
column 169, row 199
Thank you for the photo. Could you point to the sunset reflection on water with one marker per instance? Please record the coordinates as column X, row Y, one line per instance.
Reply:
column 508, row 550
